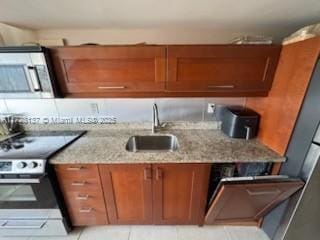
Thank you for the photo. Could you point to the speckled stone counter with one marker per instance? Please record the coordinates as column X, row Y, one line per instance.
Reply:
column 198, row 143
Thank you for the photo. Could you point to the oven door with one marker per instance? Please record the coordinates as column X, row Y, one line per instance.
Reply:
column 28, row 207
column 30, row 193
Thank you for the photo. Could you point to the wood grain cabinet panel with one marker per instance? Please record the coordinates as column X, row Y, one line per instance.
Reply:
column 279, row 111
column 82, row 192
column 110, row 70
column 248, row 202
column 179, row 193
column 165, row 71
column 229, row 69
column 128, row 193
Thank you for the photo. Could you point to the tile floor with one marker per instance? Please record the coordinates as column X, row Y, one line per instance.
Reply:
column 158, row 233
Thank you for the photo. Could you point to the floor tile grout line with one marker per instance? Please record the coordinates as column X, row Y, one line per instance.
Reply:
column 129, row 235
column 80, row 233
column 229, row 235
column 177, row 236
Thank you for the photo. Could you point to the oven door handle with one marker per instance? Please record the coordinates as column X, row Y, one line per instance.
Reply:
column 22, row 226
column 20, row 180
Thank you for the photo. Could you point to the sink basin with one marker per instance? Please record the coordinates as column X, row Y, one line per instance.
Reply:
column 152, row 143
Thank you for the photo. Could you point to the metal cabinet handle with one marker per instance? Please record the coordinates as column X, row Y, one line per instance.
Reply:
column 75, row 168
column 86, row 210
column 82, row 197
column 221, row 86
column 159, row 174
column 271, row 192
column 147, row 173
column 82, row 183
column 110, row 88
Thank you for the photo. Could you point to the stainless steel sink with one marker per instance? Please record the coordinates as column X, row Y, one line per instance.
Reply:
column 152, row 143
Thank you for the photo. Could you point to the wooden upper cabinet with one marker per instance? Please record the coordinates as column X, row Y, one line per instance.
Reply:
column 231, row 70
column 248, row 202
column 110, row 70
column 179, row 193
column 128, row 193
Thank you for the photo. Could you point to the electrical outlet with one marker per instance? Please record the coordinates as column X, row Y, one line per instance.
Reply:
column 211, row 107
column 94, row 108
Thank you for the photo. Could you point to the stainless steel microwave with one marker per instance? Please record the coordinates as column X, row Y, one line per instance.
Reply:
column 26, row 72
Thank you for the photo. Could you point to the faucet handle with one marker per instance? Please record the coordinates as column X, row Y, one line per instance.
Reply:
column 163, row 125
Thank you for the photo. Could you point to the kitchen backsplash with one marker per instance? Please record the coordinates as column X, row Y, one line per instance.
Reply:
column 123, row 109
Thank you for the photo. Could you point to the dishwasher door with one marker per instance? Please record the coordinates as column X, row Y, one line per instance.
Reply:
column 248, row 199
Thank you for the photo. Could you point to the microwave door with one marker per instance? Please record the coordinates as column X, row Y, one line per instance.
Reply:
column 18, row 80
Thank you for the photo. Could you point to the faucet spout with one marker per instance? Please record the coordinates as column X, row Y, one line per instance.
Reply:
column 155, row 118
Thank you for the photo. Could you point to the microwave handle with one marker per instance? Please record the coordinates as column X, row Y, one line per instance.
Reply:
column 34, row 77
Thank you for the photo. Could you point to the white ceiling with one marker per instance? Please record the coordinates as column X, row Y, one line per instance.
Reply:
column 265, row 16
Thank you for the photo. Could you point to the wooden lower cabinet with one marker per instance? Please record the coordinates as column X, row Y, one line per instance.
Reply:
column 180, row 193
column 128, row 193
column 165, row 194
column 155, row 194
column 82, row 192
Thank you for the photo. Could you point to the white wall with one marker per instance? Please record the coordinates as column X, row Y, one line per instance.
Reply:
column 16, row 36
column 125, row 109
column 133, row 36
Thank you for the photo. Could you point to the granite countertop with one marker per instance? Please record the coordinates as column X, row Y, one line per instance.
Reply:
column 199, row 143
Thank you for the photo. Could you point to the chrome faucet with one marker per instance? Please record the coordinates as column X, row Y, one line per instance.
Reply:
column 155, row 118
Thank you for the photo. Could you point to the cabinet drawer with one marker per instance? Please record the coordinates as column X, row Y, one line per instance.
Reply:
column 75, row 171
column 87, row 215
column 85, row 198
column 80, row 185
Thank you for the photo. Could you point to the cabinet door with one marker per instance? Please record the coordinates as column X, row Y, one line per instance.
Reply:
column 128, row 193
column 110, row 71
column 243, row 70
column 248, row 202
column 179, row 193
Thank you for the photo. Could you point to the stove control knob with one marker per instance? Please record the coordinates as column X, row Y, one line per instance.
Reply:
column 32, row 165
column 21, row 165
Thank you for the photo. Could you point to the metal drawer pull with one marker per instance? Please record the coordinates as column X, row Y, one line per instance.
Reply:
column 271, row 192
column 74, row 168
column 82, row 197
column 22, row 225
column 221, row 86
column 78, row 183
column 85, row 210
column 115, row 87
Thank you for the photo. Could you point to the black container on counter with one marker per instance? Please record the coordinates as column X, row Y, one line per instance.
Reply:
column 240, row 122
